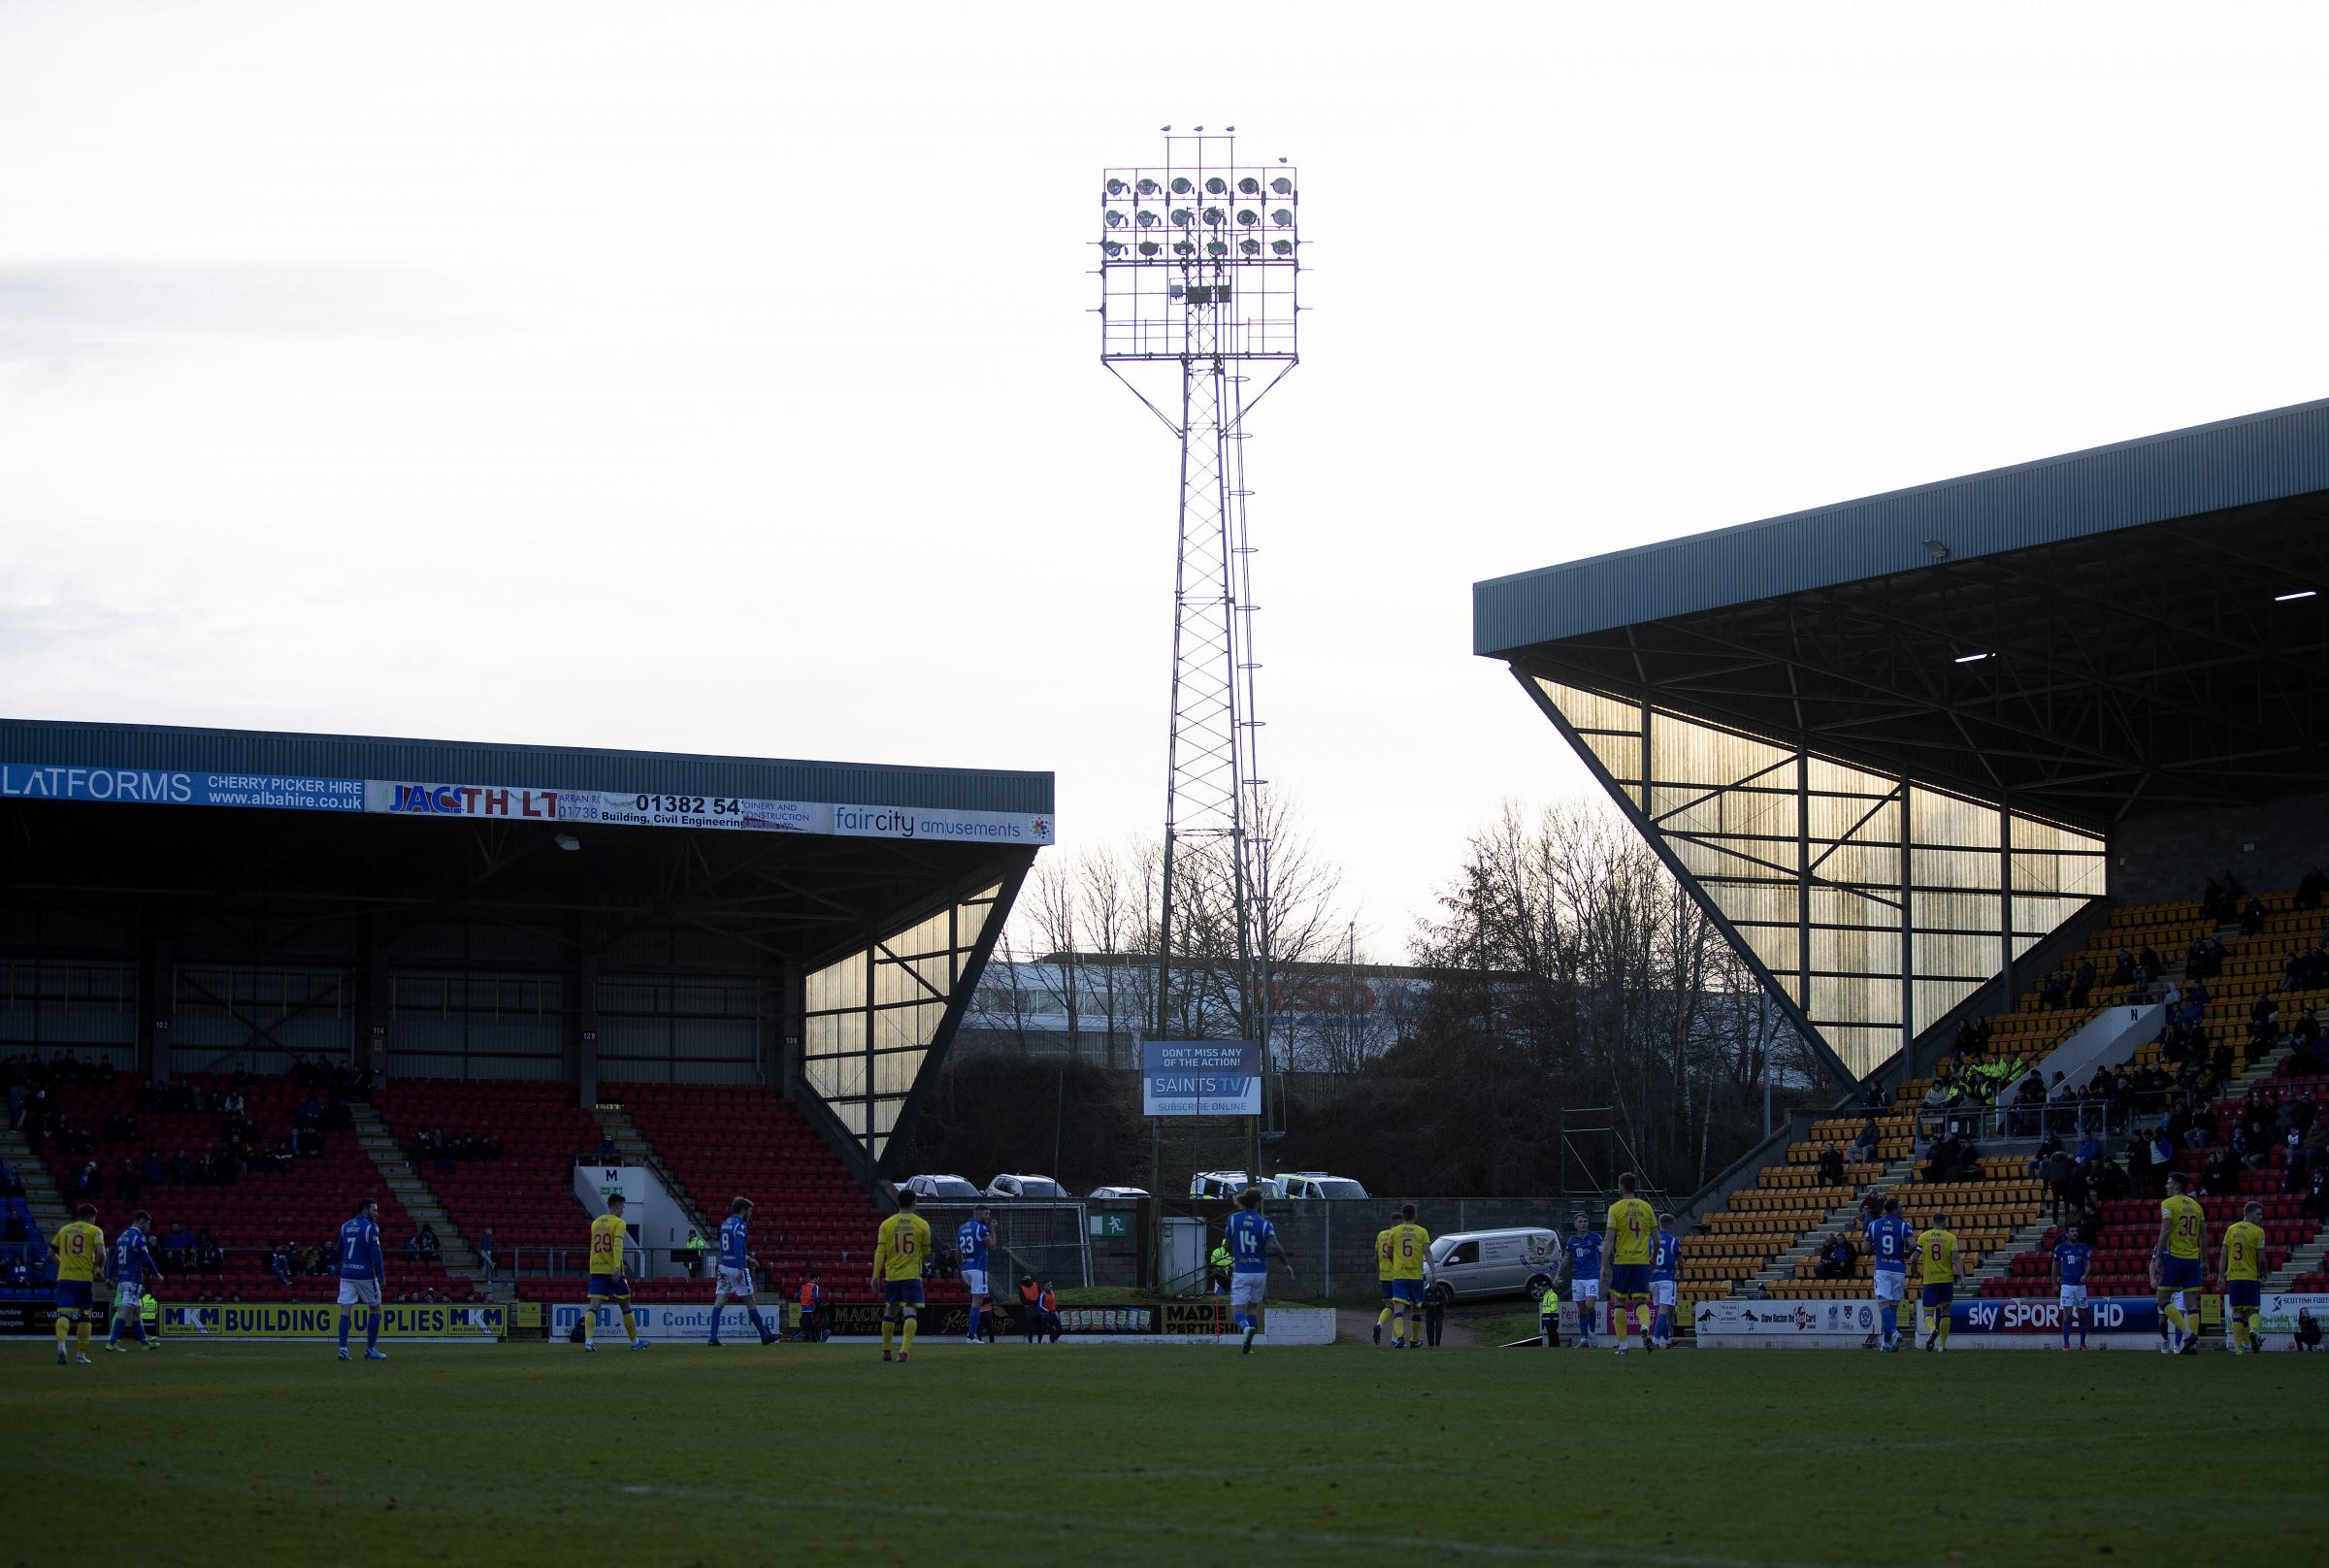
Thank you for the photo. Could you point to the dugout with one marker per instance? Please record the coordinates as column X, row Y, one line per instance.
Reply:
column 186, row 899
column 1893, row 746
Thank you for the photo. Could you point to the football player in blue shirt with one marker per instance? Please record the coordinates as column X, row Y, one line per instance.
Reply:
column 2070, row 1258
column 1665, row 1266
column 1891, row 1240
column 1582, row 1264
column 733, row 1276
column 975, row 1243
column 132, row 1266
column 363, row 1271
column 1250, row 1240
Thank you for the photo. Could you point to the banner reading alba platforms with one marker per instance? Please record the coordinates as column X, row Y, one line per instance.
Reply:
column 1200, row 1078
column 148, row 786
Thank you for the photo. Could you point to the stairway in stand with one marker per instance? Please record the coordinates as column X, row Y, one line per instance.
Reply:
column 396, row 1169
column 41, row 1196
column 638, row 1150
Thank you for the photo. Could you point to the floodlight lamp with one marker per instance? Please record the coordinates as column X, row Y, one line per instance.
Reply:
column 1113, row 247
column 1249, row 186
column 1149, row 248
column 1217, row 186
column 1283, row 248
column 1214, row 248
column 1115, row 218
column 1116, row 187
column 1282, row 185
column 1247, row 217
column 1181, row 185
column 1145, row 218
column 567, row 841
column 1282, row 216
column 1215, row 217
column 1181, row 218
column 1182, row 248
column 1249, row 247
column 1145, row 186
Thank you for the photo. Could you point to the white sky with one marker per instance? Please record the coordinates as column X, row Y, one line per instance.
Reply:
column 719, row 377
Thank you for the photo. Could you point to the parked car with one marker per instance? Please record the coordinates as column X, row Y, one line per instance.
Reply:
column 1119, row 1192
column 1303, row 1184
column 1025, row 1186
column 1466, row 1264
column 923, row 1186
column 1219, row 1184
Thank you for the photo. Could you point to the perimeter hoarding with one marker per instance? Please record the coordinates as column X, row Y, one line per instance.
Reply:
column 476, row 1323
column 1200, row 1078
column 511, row 803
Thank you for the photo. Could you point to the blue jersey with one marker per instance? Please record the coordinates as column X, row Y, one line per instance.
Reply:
column 1891, row 1240
column 974, row 1241
column 131, row 1261
column 1585, row 1256
column 734, row 1248
column 360, row 1251
column 1666, row 1253
column 1249, row 1239
column 2070, row 1256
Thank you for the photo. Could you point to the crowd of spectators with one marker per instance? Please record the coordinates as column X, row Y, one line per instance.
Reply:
column 434, row 1146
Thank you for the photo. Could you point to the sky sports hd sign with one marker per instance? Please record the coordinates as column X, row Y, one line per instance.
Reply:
column 1200, row 1078
column 507, row 802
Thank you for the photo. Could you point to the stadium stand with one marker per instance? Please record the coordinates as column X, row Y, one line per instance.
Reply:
column 237, row 1210
column 501, row 1157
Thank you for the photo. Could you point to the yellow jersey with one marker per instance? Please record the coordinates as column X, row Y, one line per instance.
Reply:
column 1409, row 1242
column 903, row 1245
column 2187, row 1224
column 79, row 1250
column 1939, row 1251
column 2244, row 1252
column 606, row 1239
column 1383, row 1267
column 1632, row 1222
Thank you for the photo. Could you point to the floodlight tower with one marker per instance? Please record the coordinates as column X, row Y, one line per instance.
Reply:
column 1199, row 264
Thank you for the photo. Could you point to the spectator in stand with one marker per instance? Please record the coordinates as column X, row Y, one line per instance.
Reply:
column 2055, row 992
column 413, row 1247
column 1877, row 1101
column 2081, row 983
column 2310, row 889
column 209, row 1256
column 485, row 1250
column 2252, row 919
column 2214, row 906
column 430, row 1248
column 1836, row 1259
column 2219, row 1172
column 1831, row 1166
column 2307, row 1336
column 1865, row 1147
column 2316, row 1196
column 279, row 1264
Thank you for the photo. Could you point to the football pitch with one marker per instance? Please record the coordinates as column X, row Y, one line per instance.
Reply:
column 681, row 1454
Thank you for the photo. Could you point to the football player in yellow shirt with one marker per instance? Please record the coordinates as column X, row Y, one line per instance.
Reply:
column 1410, row 1246
column 2176, row 1264
column 2243, row 1271
column 900, row 1247
column 1383, row 1277
column 1631, row 1225
column 79, row 1251
column 1940, row 1265
column 608, row 1238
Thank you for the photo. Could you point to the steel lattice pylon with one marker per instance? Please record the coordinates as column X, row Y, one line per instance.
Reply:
column 1199, row 269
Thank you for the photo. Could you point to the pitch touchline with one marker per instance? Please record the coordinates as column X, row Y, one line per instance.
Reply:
column 1224, row 1532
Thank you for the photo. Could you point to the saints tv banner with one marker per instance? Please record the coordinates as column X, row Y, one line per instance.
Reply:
column 1200, row 1078
column 478, row 1323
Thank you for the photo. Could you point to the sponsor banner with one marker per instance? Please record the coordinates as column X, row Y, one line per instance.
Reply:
column 146, row 786
column 718, row 812
column 1200, row 1078
column 1173, row 1322
column 479, row 1321
column 668, row 1320
column 2280, row 1310
column 2030, row 1315
column 1855, row 1321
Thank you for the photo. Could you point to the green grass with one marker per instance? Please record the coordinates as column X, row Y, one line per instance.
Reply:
column 531, row 1453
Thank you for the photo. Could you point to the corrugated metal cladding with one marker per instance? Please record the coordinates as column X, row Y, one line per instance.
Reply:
column 460, row 762
column 2208, row 467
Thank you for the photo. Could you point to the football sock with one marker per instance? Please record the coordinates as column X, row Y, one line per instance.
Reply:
column 1622, row 1315
column 906, row 1334
column 2239, row 1325
column 1890, row 1317
column 2066, row 1331
column 973, row 1334
column 64, row 1330
column 889, row 1334
column 1384, row 1316
column 760, row 1324
column 372, row 1329
column 1941, row 1318
column 112, row 1335
column 84, row 1335
column 590, row 1323
column 630, row 1325
column 1646, row 1318
column 343, row 1319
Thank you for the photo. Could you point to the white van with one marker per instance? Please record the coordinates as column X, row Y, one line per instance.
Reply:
column 1466, row 1265
column 1219, row 1183
column 1301, row 1184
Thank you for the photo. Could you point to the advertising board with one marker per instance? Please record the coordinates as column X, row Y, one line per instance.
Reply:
column 1200, row 1078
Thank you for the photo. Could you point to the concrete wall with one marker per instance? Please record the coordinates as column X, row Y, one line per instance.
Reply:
column 2172, row 855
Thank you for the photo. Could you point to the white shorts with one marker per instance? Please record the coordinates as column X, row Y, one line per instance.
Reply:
column 1245, row 1289
column 1661, row 1292
column 128, row 1297
column 1889, row 1283
column 1585, row 1290
column 359, row 1293
column 732, row 1282
column 2073, row 1295
column 974, row 1281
